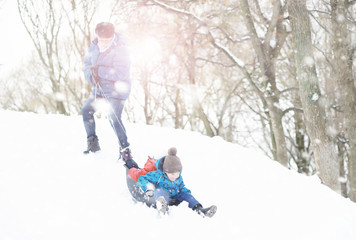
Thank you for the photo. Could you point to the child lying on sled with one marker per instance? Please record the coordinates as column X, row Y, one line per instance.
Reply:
column 160, row 184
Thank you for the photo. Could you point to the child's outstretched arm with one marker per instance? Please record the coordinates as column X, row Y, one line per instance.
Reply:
column 183, row 189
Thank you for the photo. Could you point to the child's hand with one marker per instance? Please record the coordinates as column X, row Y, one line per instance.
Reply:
column 149, row 193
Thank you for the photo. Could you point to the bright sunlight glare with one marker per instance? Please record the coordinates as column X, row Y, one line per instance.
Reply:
column 146, row 50
column 102, row 106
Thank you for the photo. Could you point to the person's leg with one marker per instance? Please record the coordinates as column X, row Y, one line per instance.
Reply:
column 188, row 197
column 195, row 205
column 88, row 111
column 149, row 166
column 117, row 107
column 161, row 198
column 159, row 192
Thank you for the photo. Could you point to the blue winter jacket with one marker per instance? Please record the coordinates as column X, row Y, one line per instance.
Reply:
column 113, row 68
column 161, row 181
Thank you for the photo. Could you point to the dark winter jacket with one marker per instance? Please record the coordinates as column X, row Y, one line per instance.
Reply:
column 113, row 68
column 160, row 180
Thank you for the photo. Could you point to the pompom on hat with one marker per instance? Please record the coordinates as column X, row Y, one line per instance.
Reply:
column 172, row 163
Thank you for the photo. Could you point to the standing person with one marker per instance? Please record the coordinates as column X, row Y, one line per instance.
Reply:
column 107, row 68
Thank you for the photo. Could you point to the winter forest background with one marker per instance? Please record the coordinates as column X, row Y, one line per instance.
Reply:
column 277, row 75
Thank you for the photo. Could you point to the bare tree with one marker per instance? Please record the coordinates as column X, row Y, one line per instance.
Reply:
column 43, row 21
column 79, row 15
column 311, row 98
column 266, row 56
column 300, row 150
column 182, row 80
column 346, row 97
column 25, row 89
column 334, row 21
column 61, row 33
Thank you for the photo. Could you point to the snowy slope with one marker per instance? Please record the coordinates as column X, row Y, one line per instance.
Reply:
column 50, row 190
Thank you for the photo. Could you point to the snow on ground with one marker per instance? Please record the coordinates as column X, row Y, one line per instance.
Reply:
column 49, row 190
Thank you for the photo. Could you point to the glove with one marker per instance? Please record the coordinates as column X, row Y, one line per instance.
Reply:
column 150, row 190
column 149, row 193
column 94, row 74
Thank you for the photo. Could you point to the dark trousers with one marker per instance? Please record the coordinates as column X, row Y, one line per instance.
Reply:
column 114, row 107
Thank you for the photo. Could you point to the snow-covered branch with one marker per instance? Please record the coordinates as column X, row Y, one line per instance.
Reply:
column 235, row 59
column 239, row 63
column 176, row 10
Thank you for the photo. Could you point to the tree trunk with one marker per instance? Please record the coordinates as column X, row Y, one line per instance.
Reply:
column 314, row 113
column 197, row 106
column 266, row 65
column 346, row 97
column 279, row 137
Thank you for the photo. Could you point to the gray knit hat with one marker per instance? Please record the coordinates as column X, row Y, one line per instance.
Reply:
column 172, row 163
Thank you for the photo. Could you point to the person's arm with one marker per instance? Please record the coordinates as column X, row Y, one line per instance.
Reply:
column 87, row 65
column 183, row 189
column 144, row 180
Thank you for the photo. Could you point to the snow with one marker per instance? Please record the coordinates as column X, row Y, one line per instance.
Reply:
column 340, row 18
column 238, row 61
column 273, row 43
column 308, row 61
column 315, row 97
column 176, row 9
column 50, row 190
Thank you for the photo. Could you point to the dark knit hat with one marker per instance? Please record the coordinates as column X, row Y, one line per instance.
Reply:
column 172, row 163
column 105, row 30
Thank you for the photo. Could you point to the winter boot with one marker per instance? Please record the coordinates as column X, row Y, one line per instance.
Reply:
column 126, row 156
column 161, row 205
column 93, row 144
column 205, row 212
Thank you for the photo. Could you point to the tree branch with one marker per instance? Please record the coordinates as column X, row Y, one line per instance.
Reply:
column 259, row 12
column 350, row 3
column 273, row 23
column 285, row 111
column 238, row 63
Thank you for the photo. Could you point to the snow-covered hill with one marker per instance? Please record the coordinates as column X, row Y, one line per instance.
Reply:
column 49, row 190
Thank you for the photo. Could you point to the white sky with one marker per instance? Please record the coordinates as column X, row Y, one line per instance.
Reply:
column 15, row 44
